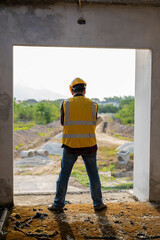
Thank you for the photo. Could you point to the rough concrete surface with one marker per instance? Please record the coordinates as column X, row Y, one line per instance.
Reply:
column 33, row 162
column 83, row 197
column 38, row 184
column 80, row 2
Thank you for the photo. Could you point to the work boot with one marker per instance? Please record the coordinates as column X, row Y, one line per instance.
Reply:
column 100, row 207
column 54, row 208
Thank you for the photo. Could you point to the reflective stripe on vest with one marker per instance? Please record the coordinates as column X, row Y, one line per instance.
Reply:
column 85, row 135
column 69, row 122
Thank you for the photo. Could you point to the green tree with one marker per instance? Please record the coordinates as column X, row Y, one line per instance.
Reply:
column 126, row 112
column 125, row 101
column 113, row 98
column 41, row 112
column 107, row 108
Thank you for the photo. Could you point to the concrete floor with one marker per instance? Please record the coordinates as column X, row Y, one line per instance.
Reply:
column 32, row 184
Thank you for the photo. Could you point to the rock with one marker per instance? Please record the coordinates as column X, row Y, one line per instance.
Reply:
column 17, row 216
column 39, row 215
column 132, row 223
column 18, row 224
column 122, row 174
column 141, row 236
column 38, row 231
column 116, row 222
column 47, row 139
column 26, row 220
column 67, row 202
column 27, row 225
column 3, row 234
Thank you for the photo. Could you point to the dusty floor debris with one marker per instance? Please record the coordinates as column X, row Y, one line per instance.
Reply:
column 134, row 220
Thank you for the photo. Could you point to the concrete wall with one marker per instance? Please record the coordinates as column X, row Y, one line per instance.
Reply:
column 106, row 26
column 142, row 124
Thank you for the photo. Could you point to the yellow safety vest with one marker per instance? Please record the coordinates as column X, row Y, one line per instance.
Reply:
column 79, row 122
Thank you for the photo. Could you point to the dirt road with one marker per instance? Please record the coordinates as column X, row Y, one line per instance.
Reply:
column 102, row 139
column 105, row 139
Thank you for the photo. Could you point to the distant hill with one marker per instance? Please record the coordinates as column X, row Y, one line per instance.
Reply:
column 31, row 101
column 24, row 93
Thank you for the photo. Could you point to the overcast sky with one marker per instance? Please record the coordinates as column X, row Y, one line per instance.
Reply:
column 108, row 72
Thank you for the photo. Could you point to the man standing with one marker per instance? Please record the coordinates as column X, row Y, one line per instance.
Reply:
column 78, row 117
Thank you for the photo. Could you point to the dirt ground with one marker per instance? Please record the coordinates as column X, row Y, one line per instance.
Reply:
column 133, row 220
column 33, row 137
column 74, row 198
column 114, row 126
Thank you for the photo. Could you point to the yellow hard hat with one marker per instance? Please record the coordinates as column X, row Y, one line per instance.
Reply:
column 77, row 81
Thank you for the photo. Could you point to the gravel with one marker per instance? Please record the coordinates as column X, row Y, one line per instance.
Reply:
column 53, row 148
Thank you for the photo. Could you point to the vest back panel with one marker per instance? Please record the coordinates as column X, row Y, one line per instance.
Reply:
column 79, row 122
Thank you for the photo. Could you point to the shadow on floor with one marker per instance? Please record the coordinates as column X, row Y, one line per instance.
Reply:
column 64, row 227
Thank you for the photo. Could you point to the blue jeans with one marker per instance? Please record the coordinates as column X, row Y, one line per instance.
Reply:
column 68, row 160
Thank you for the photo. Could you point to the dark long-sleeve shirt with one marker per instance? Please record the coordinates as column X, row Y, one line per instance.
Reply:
column 80, row 151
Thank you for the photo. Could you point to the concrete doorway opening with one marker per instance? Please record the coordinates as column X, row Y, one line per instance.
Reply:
column 28, row 172
column 121, row 24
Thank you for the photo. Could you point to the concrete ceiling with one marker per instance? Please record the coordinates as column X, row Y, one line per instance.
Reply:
column 79, row 2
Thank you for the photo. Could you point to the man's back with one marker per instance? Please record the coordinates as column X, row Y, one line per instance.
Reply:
column 78, row 117
column 79, row 122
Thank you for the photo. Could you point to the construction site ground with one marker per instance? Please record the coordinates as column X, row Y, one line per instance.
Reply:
column 124, row 218
column 39, row 174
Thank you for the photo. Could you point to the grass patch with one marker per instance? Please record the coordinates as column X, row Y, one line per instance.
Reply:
column 79, row 167
column 107, row 151
column 119, row 187
column 132, row 156
column 26, row 173
column 110, row 168
column 26, row 166
column 81, row 177
column 116, row 135
column 80, row 174
column 101, row 164
column 50, row 129
column 111, row 131
column 41, row 134
column 23, row 126
column 105, row 179
column 17, row 147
